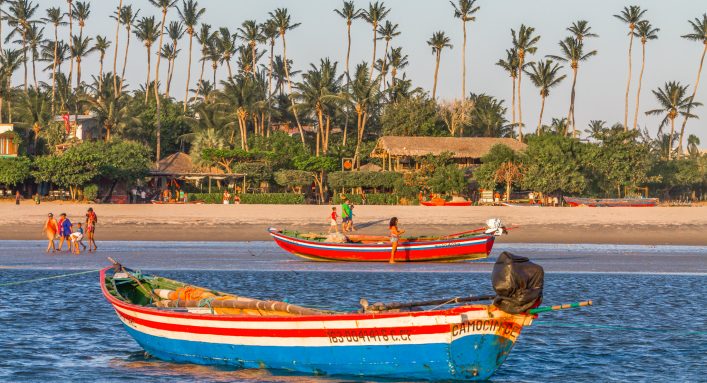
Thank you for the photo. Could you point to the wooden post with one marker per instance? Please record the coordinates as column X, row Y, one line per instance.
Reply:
column 209, row 184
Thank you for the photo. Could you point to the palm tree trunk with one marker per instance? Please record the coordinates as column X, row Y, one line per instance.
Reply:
column 100, row 72
column 78, row 72
column 628, row 83
column 520, row 111
column 434, row 86
column 149, row 69
column 169, row 77
column 71, row 43
column 289, row 87
column 125, row 62
column 34, row 70
column 157, row 90
column 115, row 51
column 24, row 54
column 385, row 62
column 327, row 131
column 540, row 119
column 252, row 50
column 214, row 66
column 320, row 131
column 670, row 140
column 348, row 49
column 201, row 76
column 228, row 66
column 640, row 81
column 513, row 101
column 464, row 60
column 570, row 115
column 694, row 92
column 359, row 135
column 56, row 48
column 270, row 65
column 186, row 91
column 375, row 39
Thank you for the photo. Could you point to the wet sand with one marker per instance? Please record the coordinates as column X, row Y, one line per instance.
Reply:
column 649, row 226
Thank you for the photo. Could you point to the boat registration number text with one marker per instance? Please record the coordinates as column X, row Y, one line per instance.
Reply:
column 368, row 335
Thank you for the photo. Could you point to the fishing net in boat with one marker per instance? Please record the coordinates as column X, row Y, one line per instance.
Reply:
column 518, row 283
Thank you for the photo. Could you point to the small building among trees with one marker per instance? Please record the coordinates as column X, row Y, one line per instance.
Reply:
column 8, row 145
column 405, row 153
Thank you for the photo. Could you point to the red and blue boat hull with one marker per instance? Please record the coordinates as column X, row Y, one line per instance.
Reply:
column 441, row 250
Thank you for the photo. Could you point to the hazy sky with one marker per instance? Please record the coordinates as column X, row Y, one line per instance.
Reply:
column 601, row 83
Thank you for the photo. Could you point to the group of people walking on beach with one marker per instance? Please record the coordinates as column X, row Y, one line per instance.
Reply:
column 65, row 231
column 346, row 217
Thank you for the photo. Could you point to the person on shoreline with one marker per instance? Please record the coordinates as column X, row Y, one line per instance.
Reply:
column 51, row 228
column 351, row 215
column 77, row 238
column 333, row 225
column 65, row 229
column 226, row 197
column 345, row 213
column 91, row 220
column 395, row 234
column 18, row 197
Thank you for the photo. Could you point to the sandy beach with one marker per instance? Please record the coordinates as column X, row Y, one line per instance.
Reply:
column 651, row 226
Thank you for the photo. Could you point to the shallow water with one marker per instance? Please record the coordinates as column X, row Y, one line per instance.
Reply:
column 648, row 323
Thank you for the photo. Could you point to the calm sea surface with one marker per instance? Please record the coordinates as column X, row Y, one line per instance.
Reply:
column 649, row 322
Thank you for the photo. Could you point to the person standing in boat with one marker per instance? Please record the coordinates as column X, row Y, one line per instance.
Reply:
column 51, row 228
column 395, row 234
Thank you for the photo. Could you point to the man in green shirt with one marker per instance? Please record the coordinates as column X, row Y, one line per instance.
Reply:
column 345, row 215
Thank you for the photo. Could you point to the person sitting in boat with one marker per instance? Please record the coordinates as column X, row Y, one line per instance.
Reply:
column 395, row 234
column 333, row 225
column 77, row 238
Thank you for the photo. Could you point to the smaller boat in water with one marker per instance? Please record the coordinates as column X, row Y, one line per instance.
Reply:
column 472, row 244
column 611, row 202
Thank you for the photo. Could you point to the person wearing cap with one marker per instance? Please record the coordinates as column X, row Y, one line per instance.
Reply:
column 51, row 228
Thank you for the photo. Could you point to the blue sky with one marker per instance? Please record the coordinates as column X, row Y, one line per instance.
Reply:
column 601, row 83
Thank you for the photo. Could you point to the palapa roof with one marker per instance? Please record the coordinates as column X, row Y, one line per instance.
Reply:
column 180, row 164
column 460, row 147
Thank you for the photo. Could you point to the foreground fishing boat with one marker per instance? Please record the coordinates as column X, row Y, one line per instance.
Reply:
column 474, row 244
column 611, row 202
column 177, row 322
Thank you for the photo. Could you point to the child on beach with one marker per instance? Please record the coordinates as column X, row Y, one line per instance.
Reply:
column 333, row 225
column 77, row 238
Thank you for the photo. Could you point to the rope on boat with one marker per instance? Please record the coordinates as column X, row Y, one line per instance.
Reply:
column 46, row 278
column 618, row 328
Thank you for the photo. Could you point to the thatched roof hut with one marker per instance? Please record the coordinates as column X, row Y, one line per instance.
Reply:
column 398, row 151
column 181, row 165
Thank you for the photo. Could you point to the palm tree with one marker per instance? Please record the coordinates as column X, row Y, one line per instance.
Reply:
column 81, row 47
column 239, row 92
column 581, row 30
column 699, row 34
column 269, row 32
column 281, row 17
column 388, row 30
column 644, row 31
column 464, row 11
column 127, row 18
column 102, row 45
column 631, row 16
column 113, row 112
column 250, row 33
column 544, row 76
column 19, row 17
column 510, row 65
column 375, row 13
column 524, row 42
column 71, row 35
column 204, row 38
column 693, row 146
column 81, row 11
column 363, row 94
column 10, row 61
column 349, row 12
column 213, row 54
column 189, row 14
column 169, row 52
column 165, row 5
column 147, row 30
column 226, row 44
column 673, row 102
column 35, row 36
column 573, row 53
column 175, row 31
column 438, row 42
column 115, row 51
column 397, row 61
column 56, row 18
column 596, row 128
column 1, row 13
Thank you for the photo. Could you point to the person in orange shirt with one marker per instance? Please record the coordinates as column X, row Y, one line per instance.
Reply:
column 395, row 234
column 51, row 228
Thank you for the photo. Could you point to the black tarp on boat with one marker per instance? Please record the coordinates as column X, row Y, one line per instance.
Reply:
column 518, row 283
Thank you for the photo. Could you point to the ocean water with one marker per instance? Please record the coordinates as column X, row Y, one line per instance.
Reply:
column 646, row 325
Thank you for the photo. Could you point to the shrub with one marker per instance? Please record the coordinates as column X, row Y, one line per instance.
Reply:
column 206, row 197
column 293, row 178
column 272, row 198
column 347, row 180
column 90, row 192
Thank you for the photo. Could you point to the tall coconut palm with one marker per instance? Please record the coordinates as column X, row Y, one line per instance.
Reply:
column 525, row 43
column 164, row 5
column 438, row 42
column 56, row 18
column 213, row 54
column 544, row 75
column 573, row 53
column 189, row 14
column 375, row 13
column 464, row 10
column 387, row 31
column 127, row 18
column 363, row 93
column 673, row 101
column 81, row 12
column 102, row 45
column 225, row 42
column 10, row 61
column 81, row 48
column 397, row 61
column 175, row 31
column 71, row 35
column 631, row 16
column 510, row 65
column 282, row 19
column 699, row 34
column 115, row 50
column 205, row 38
column 169, row 53
column 20, row 17
column 581, row 30
column 250, row 34
column 349, row 12
column 114, row 112
column 644, row 31
column 147, row 30
column 35, row 36
column 269, row 32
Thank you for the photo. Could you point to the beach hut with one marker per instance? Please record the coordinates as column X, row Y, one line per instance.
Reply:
column 404, row 153
column 8, row 146
column 179, row 166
